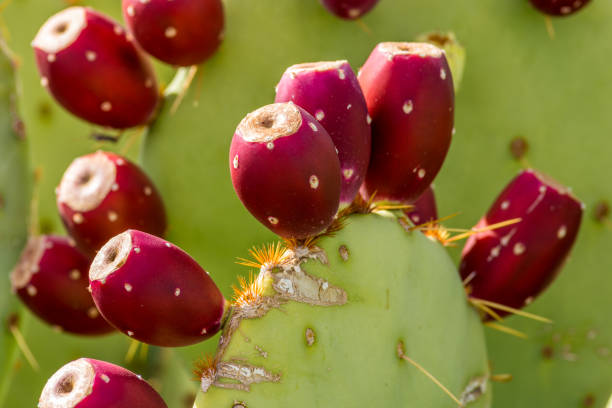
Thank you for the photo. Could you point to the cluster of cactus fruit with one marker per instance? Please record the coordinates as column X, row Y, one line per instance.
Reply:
column 334, row 145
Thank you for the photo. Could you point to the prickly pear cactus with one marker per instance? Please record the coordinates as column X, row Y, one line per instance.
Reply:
column 517, row 81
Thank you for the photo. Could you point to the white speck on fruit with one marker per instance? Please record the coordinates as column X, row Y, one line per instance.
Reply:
column 562, row 232
column 44, row 81
column 177, row 291
column 415, row 218
column 92, row 312
column 130, row 11
column 369, row 119
column 442, row 73
column 528, row 300
column 32, row 291
column 354, row 12
column 115, row 187
column 127, row 287
column 112, row 216
column 75, row 274
column 105, row 378
column 168, row 244
column 51, row 57
column 348, row 173
column 505, row 205
column 148, row 190
column 273, row 220
column 269, row 145
column 170, row 32
column 120, row 162
column 566, row 10
column 349, row 106
column 421, row 173
column 320, row 115
column 407, row 108
column 292, row 75
column 118, row 30
column 235, row 161
column 91, row 56
column 341, row 74
column 313, row 127
column 106, row 106
column 137, row 250
column 314, row 182
column 518, row 249
column 130, row 333
column 77, row 218
column 203, row 332
column 148, row 83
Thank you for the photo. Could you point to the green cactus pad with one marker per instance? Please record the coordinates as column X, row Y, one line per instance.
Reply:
column 381, row 285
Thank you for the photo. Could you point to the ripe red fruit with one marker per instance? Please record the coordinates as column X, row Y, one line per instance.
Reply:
column 559, row 8
column 93, row 69
column 102, row 194
column 178, row 32
column 330, row 92
column 424, row 209
column 349, row 9
column 513, row 264
column 285, row 170
column 51, row 280
column 409, row 92
column 154, row 292
column 89, row 383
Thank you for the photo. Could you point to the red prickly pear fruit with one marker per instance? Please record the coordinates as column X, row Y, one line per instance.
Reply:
column 51, row 280
column 409, row 92
column 349, row 9
column 154, row 292
column 559, row 8
column 330, row 92
column 424, row 208
column 178, row 32
column 93, row 69
column 285, row 170
column 89, row 383
column 102, row 194
column 513, row 264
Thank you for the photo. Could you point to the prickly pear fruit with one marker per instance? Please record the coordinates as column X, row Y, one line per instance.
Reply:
column 92, row 68
column 178, row 32
column 349, row 9
column 285, row 170
column 330, row 92
column 153, row 291
column 513, row 264
column 409, row 91
column 102, row 194
column 424, row 208
column 559, row 8
column 51, row 279
column 89, row 383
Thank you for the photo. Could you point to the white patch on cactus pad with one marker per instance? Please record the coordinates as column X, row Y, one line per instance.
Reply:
column 111, row 256
column 270, row 122
column 86, row 182
column 69, row 385
column 28, row 262
column 60, row 30
column 473, row 391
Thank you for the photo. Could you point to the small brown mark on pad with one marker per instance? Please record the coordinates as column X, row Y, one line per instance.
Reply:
column 310, row 337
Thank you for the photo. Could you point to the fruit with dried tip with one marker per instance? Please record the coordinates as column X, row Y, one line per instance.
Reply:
column 330, row 92
column 285, row 170
column 409, row 91
column 102, row 194
column 178, row 32
column 51, row 280
column 424, row 208
column 93, row 69
column 89, row 383
column 154, row 292
column 559, row 8
column 349, row 9
column 513, row 264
